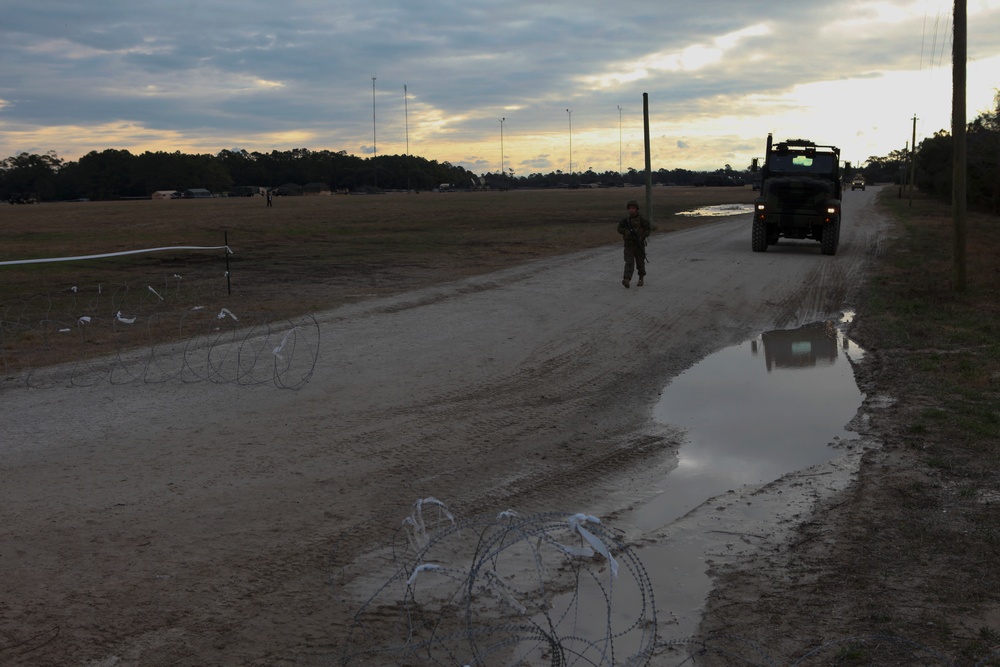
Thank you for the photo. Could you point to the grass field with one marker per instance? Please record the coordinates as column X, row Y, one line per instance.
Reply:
column 920, row 546
column 303, row 255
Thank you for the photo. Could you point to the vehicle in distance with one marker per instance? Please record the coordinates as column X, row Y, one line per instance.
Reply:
column 858, row 182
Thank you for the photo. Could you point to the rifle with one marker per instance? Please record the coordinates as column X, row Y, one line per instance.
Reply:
column 640, row 244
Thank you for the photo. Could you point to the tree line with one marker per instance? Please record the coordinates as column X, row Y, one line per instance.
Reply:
column 116, row 174
column 931, row 170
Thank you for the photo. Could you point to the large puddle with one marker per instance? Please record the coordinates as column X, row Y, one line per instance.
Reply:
column 753, row 413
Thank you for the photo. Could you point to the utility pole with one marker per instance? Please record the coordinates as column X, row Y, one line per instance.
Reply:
column 913, row 156
column 374, row 142
column 958, row 181
column 406, row 125
column 570, row 114
column 649, row 164
column 619, row 141
column 502, row 173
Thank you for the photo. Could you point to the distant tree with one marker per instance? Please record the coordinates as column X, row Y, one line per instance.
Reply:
column 886, row 169
column 934, row 158
column 109, row 174
column 983, row 159
column 28, row 176
column 933, row 165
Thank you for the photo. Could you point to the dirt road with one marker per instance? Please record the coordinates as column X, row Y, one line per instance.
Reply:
column 192, row 523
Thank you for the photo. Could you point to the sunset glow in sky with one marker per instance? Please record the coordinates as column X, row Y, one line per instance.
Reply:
column 201, row 76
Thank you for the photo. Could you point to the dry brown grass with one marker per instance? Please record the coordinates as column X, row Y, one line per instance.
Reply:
column 303, row 255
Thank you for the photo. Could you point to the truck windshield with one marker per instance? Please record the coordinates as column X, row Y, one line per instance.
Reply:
column 791, row 163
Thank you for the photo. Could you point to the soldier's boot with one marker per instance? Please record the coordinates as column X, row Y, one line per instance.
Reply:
column 641, row 281
column 626, row 281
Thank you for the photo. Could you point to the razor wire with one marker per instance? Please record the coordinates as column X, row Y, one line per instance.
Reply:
column 500, row 590
column 174, row 328
column 551, row 590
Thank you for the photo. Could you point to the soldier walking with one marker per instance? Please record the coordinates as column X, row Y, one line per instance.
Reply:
column 634, row 229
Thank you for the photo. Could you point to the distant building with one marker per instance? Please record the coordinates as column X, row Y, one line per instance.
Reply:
column 248, row 191
column 288, row 190
column 197, row 193
column 165, row 194
column 316, row 189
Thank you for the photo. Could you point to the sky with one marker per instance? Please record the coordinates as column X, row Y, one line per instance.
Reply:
column 524, row 86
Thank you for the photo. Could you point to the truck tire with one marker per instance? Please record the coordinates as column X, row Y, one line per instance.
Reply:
column 758, row 236
column 831, row 238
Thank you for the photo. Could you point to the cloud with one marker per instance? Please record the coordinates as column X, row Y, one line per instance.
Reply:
column 205, row 75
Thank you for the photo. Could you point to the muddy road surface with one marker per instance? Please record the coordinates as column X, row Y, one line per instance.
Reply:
column 183, row 523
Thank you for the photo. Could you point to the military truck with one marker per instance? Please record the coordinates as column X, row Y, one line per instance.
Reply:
column 799, row 196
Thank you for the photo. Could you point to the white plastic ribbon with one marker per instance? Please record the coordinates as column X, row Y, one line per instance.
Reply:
column 425, row 567
column 277, row 351
column 155, row 292
column 501, row 591
column 225, row 311
column 576, row 523
column 419, row 536
column 125, row 320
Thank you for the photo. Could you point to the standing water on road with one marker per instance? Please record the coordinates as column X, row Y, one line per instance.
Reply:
column 755, row 412
column 719, row 210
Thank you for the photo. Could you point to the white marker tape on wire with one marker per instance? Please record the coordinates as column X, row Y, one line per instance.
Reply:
column 426, row 567
column 277, row 351
column 225, row 311
column 155, row 292
column 116, row 254
column 124, row 320
column 576, row 523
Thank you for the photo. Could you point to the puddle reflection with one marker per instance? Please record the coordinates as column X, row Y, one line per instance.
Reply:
column 755, row 412
column 719, row 210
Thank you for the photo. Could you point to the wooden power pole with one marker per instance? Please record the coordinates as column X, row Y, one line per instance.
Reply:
column 958, row 186
column 913, row 159
column 649, row 164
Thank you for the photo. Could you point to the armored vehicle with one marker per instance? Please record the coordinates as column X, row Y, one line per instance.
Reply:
column 800, row 195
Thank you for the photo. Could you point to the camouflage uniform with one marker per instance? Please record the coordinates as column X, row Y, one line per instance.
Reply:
column 634, row 253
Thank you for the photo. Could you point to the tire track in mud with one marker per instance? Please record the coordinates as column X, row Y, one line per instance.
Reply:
column 554, row 387
column 835, row 280
column 543, row 415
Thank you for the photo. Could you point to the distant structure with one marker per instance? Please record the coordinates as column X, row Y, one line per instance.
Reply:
column 314, row 189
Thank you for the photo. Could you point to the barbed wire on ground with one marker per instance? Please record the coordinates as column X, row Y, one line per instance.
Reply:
column 549, row 590
column 172, row 330
column 498, row 590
